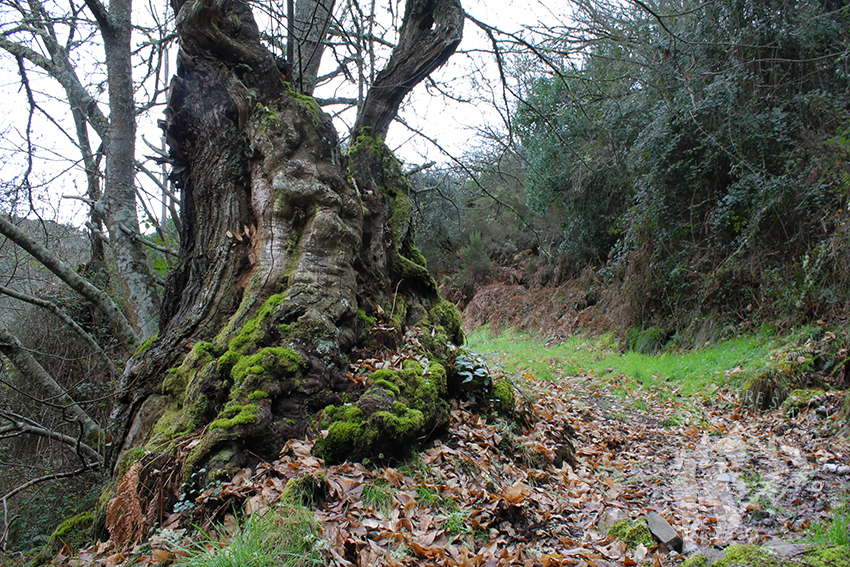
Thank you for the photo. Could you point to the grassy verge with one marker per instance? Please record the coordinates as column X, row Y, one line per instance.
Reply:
column 728, row 363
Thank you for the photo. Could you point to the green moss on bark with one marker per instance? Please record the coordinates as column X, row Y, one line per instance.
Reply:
column 254, row 329
column 235, row 415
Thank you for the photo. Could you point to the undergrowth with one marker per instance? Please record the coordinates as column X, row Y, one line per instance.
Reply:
column 834, row 531
column 287, row 537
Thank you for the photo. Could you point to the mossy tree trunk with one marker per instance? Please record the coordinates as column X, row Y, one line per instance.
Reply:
column 289, row 249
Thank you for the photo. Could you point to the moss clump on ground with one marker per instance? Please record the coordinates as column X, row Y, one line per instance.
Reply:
column 305, row 490
column 798, row 400
column 73, row 532
column 698, row 560
column 751, row 555
column 397, row 408
column 503, row 399
column 827, row 556
column 631, row 532
column 755, row 556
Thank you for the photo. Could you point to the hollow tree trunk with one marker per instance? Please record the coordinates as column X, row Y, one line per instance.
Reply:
column 290, row 251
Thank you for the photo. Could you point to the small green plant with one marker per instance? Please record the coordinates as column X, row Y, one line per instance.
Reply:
column 378, row 497
column 473, row 375
column 288, row 537
column 672, row 421
column 835, row 531
column 752, row 479
column 428, row 495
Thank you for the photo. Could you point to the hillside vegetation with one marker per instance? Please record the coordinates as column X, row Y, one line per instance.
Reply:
column 691, row 172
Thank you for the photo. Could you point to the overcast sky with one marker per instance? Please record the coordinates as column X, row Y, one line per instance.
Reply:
column 450, row 124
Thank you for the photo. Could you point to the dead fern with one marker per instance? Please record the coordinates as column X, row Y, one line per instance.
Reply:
column 124, row 518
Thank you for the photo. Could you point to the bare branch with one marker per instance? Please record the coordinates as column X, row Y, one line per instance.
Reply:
column 72, row 278
column 27, row 365
column 53, row 308
column 18, row 423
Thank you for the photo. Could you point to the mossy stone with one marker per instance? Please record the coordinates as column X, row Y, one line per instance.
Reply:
column 751, row 555
column 631, row 532
column 798, row 400
column 73, row 532
column 698, row 560
column 503, row 399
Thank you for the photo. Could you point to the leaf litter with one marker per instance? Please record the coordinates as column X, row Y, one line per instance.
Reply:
column 491, row 492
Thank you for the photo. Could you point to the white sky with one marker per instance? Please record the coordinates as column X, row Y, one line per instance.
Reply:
column 450, row 124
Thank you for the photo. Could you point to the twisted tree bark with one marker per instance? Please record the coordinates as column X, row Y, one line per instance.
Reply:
column 288, row 251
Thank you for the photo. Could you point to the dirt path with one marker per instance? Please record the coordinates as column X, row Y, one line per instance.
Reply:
column 491, row 492
column 719, row 475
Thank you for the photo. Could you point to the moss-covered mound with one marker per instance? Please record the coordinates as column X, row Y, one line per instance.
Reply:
column 756, row 556
column 73, row 532
column 631, row 532
column 397, row 408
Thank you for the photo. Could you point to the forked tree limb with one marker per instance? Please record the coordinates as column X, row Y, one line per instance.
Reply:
column 431, row 32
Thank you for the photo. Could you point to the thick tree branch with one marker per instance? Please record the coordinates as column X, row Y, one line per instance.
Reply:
column 431, row 32
column 27, row 365
column 72, row 278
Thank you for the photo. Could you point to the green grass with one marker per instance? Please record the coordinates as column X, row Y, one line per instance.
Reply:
column 378, row 497
column 835, row 531
column 685, row 371
column 287, row 537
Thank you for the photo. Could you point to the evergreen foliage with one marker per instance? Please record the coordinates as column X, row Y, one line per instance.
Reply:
column 706, row 157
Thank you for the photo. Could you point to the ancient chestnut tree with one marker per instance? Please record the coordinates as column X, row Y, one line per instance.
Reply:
column 293, row 251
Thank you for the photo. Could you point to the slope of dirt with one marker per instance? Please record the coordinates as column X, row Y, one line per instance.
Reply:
column 494, row 493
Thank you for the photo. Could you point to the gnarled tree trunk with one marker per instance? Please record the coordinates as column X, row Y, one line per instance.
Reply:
column 290, row 252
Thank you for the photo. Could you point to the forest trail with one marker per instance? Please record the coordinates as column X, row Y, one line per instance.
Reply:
column 491, row 492
column 720, row 474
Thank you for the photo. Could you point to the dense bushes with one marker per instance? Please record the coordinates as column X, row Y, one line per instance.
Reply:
column 698, row 157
